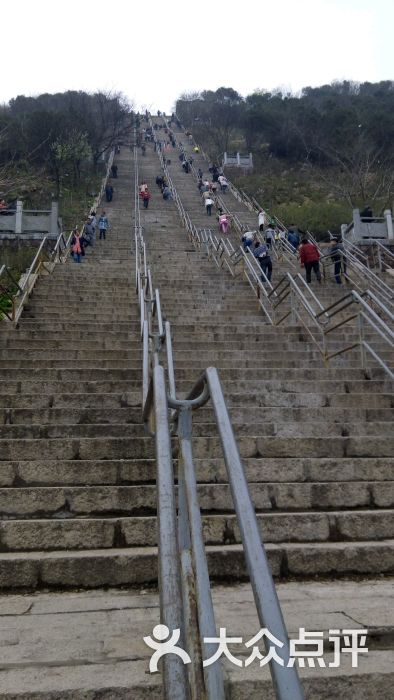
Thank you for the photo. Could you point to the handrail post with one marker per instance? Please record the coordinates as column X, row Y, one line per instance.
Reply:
column 170, row 360
column 325, row 348
column 145, row 362
column 292, row 305
column 361, row 333
column 174, row 671
column 285, row 679
column 196, row 678
column 206, row 619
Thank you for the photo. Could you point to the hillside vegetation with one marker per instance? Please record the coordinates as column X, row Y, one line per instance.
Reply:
column 317, row 155
column 51, row 146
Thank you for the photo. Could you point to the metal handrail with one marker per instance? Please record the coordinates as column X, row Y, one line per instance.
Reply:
column 7, row 271
column 19, row 292
column 367, row 276
column 189, row 607
column 219, row 201
column 382, row 253
column 289, row 287
column 358, row 274
column 319, row 318
column 287, row 685
column 355, row 250
column 173, row 595
column 57, row 254
column 384, row 248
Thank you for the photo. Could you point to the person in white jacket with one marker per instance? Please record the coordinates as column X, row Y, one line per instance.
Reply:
column 262, row 220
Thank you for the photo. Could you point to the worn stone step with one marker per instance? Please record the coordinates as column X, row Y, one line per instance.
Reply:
column 107, row 400
column 47, row 472
column 83, row 429
column 44, row 344
column 133, row 566
column 191, row 336
column 65, row 502
column 210, row 352
column 103, row 533
column 71, row 373
column 104, row 371
column 282, row 428
column 113, row 363
column 229, row 375
column 24, row 387
column 238, row 389
column 249, row 446
column 72, row 416
column 41, row 325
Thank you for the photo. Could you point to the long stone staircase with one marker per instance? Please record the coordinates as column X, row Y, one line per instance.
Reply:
column 78, row 497
column 317, row 442
column 75, row 463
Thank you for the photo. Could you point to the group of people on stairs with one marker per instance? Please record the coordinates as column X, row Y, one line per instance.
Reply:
column 87, row 237
column 306, row 251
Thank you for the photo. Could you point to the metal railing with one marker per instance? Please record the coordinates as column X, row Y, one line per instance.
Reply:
column 219, row 202
column 369, row 317
column 185, row 594
column 355, row 250
column 293, row 298
column 365, row 312
column 382, row 256
column 15, row 293
column 359, row 275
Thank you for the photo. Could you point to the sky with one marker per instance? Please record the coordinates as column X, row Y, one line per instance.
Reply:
column 155, row 51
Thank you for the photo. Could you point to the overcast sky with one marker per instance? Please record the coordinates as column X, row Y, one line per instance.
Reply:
column 153, row 51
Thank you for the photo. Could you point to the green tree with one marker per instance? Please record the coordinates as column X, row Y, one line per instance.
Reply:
column 67, row 154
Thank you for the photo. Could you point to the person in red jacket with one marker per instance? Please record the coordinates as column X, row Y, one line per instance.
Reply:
column 145, row 196
column 309, row 258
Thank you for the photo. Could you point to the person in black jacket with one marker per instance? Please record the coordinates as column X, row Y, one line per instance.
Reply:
column 337, row 253
column 262, row 253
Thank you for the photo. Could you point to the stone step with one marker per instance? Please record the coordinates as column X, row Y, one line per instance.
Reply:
column 64, row 641
column 48, row 316
column 282, row 428
column 250, row 446
column 242, row 386
column 226, row 374
column 72, row 400
column 128, row 359
column 41, row 325
column 95, row 370
column 41, row 472
column 76, row 501
column 210, row 349
column 183, row 365
column 58, row 362
column 135, row 566
column 190, row 334
column 107, row 533
column 73, row 416
column 72, row 373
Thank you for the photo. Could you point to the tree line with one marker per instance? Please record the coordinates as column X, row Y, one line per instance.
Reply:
column 343, row 132
column 55, row 134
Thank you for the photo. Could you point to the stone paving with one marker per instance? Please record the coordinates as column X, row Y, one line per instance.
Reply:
column 90, row 644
